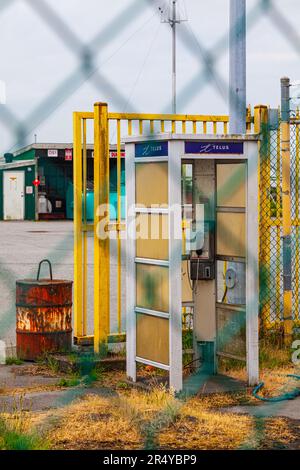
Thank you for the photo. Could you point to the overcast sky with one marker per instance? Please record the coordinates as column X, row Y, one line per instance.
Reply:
column 132, row 60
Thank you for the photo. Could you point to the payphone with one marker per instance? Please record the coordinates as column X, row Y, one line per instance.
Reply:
column 220, row 250
column 202, row 241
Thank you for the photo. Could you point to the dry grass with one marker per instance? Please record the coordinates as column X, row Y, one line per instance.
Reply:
column 94, row 423
column 199, row 428
column 278, row 433
column 136, row 419
column 276, row 381
column 206, row 429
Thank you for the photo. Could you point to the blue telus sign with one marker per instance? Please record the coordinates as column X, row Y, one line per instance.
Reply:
column 151, row 149
column 218, row 147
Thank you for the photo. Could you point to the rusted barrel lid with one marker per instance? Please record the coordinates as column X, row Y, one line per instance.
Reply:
column 43, row 292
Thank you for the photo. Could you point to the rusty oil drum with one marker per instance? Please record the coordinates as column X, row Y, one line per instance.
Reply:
column 44, row 316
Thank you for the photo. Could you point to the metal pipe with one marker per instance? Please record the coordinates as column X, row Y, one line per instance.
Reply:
column 286, row 210
column 237, row 67
column 173, row 24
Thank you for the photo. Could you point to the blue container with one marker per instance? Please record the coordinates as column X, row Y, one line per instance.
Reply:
column 113, row 200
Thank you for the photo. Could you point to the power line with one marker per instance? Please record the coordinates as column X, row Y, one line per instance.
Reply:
column 142, row 68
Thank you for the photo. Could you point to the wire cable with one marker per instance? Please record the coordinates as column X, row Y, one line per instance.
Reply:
column 142, row 68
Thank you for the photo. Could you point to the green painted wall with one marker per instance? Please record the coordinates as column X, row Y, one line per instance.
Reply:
column 29, row 155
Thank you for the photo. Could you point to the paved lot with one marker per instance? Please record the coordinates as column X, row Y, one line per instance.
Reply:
column 288, row 409
column 23, row 245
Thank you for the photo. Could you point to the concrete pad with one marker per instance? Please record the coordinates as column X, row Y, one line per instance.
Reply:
column 12, row 377
column 202, row 383
column 42, row 401
column 287, row 409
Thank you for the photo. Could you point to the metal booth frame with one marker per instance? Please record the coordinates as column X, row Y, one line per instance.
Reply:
column 175, row 155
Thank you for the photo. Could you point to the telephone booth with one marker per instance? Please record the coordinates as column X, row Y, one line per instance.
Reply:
column 192, row 242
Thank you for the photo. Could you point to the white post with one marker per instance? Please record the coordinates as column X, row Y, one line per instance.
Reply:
column 237, row 72
column 176, row 150
column 130, row 265
column 252, row 273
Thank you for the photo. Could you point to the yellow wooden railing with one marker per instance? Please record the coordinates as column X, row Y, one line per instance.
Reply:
column 103, row 121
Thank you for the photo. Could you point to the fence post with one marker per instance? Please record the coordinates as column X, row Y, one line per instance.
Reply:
column 286, row 211
column 261, row 127
column 78, row 259
column 101, row 230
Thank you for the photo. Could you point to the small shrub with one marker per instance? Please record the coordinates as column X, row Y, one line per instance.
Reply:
column 13, row 361
column 73, row 382
column 12, row 439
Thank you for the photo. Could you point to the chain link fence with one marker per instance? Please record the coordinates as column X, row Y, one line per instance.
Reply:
column 271, row 222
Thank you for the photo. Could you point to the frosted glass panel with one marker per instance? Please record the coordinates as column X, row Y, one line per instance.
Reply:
column 152, row 232
column 152, row 338
column 231, row 332
column 231, row 187
column 152, row 287
column 231, row 234
column 151, row 183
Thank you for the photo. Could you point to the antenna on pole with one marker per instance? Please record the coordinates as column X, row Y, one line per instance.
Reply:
column 237, row 73
column 172, row 17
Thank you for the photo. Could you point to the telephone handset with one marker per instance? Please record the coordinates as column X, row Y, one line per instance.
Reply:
column 202, row 243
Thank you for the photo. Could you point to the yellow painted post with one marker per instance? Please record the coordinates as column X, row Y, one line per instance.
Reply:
column 261, row 126
column 297, row 258
column 129, row 127
column 248, row 120
column 101, row 236
column 278, row 227
column 286, row 211
column 119, row 286
column 141, row 127
column 77, row 169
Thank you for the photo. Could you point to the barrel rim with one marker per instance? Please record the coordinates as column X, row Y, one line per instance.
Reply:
column 44, row 282
column 41, row 333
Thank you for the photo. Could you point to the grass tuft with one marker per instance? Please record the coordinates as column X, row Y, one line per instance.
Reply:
column 13, row 361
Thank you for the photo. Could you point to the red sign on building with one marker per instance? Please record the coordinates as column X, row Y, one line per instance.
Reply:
column 68, row 154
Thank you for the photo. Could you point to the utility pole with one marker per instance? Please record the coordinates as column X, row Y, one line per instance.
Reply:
column 286, row 211
column 173, row 19
column 237, row 73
